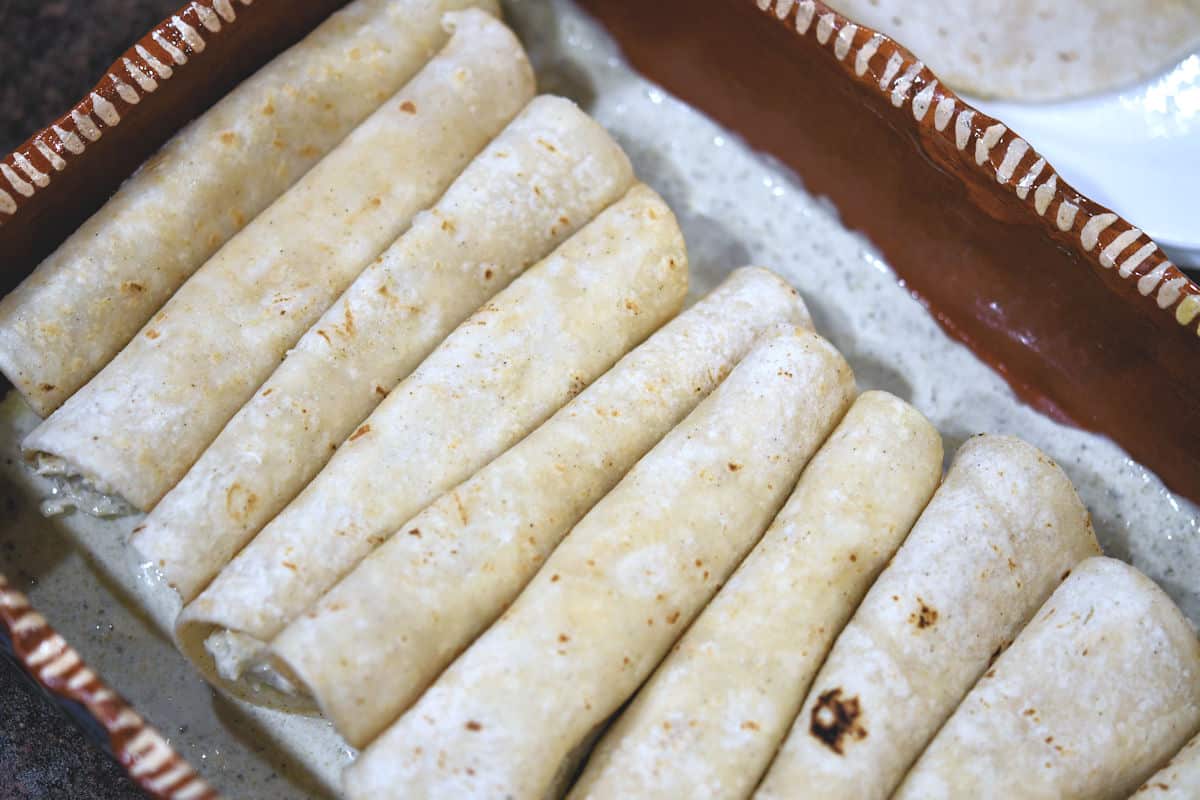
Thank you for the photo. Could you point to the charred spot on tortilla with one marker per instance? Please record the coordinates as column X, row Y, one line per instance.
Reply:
column 835, row 719
column 924, row 616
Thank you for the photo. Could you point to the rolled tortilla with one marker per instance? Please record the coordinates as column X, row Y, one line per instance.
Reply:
column 496, row 377
column 86, row 300
column 137, row 426
column 997, row 537
column 709, row 720
column 548, row 173
column 379, row 637
column 506, row 717
column 1178, row 780
column 1100, row 688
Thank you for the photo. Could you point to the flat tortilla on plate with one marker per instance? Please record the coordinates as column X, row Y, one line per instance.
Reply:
column 137, row 427
column 998, row 536
column 709, row 720
column 1099, row 689
column 86, row 300
column 499, row 375
column 1036, row 49
column 549, row 172
column 378, row 638
column 506, row 718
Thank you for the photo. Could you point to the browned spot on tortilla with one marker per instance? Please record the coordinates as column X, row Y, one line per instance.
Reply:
column 267, row 392
column 487, row 274
column 1065, row 575
column 472, row 725
column 564, row 220
column 854, row 556
column 733, row 466
column 349, row 321
column 46, row 387
column 462, row 510
column 268, row 109
column 308, row 151
column 1012, row 565
column 547, row 145
column 415, row 532
column 139, row 528
column 291, row 566
column 151, row 334
column 363, row 430
column 379, row 390
column 239, row 501
column 448, row 226
column 923, row 617
column 785, row 374
column 377, row 202
column 132, row 287
column 749, row 725
column 408, row 107
column 324, row 336
column 554, row 578
column 238, row 217
column 562, row 637
column 632, row 306
column 228, row 137
column 835, row 720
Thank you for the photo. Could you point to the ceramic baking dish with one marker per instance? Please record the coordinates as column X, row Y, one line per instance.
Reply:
column 921, row 196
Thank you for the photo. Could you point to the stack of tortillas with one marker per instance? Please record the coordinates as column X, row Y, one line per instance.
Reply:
column 429, row 445
column 1036, row 49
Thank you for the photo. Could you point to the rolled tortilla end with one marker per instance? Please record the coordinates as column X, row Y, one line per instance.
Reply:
column 1178, row 780
column 368, row 648
column 549, row 172
column 509, row 715
column 137, row 427
column 499, row 375
column 1099, row 689
column 709, row 720
column 87, row 299
column 999, row 535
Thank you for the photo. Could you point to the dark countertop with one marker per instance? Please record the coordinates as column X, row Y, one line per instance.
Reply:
column 51, row 53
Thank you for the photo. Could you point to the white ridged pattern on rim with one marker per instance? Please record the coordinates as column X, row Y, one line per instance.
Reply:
column 147, row 755
column 179, row 38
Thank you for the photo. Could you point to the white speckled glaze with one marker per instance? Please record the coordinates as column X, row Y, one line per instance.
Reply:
column 735, row 207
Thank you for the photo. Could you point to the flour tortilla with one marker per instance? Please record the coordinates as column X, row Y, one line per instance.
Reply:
column 548, row 173
column 1037, row 49
column 1099, row 689
column 1178, row 780
column 504, row 719
column 710, row 719
column 496, row 377
column 137, row 426
column 86, row 300
column 996, row 539
column 379, row 637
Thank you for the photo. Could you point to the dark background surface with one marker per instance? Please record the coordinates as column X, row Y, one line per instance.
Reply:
column 51, row 53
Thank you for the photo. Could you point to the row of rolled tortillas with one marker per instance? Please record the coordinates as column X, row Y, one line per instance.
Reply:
column 136, row 427
column 88, row 299
column 1098, row 689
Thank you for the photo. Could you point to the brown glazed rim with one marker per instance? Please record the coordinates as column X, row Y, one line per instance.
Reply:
column 155, row 57
column 986, row 146
column 142, row 751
